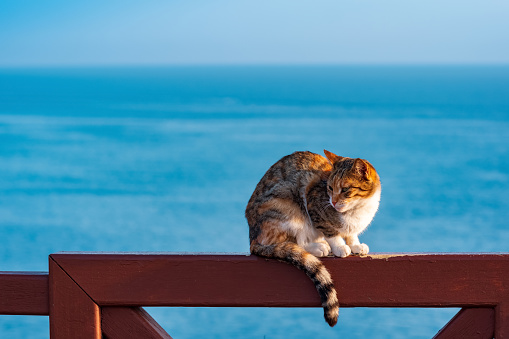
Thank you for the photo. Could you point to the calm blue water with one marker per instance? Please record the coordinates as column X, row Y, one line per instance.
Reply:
column 165, row 159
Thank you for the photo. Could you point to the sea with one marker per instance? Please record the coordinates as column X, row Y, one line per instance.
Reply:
column 165, row 159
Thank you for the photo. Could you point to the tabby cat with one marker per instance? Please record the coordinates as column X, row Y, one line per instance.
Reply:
column 307, row 206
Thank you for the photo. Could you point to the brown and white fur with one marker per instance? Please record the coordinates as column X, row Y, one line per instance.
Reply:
column 307, row 206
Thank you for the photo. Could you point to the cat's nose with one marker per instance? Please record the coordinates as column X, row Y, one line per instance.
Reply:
column 334, row 203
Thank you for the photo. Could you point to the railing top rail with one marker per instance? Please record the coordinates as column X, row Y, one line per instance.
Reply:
column 24, row 293
column 373, row 255
column 378, row 280
column 242, row 280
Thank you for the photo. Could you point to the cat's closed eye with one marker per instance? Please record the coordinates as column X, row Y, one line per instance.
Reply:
column 329, row 187
column 345, row 189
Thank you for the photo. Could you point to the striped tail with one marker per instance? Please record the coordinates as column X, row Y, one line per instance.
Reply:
column 312, row 266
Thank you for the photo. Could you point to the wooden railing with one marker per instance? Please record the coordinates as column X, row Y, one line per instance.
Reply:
column 89, row 295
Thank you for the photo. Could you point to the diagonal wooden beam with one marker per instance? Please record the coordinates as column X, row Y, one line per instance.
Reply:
column 73, row 314
column 469, row 323
column 130, row 323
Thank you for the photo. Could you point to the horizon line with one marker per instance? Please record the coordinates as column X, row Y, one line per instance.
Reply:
column 247, row 64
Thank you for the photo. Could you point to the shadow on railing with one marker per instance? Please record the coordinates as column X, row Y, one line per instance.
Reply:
column 90, row 295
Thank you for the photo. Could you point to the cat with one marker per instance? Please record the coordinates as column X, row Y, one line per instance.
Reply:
column 308, row 206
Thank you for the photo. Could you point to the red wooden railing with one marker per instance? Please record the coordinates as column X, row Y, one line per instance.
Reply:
column 89, row 295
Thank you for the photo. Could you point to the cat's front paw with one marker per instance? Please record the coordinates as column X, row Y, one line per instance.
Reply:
column 361, row 249
column 318, row 249
column 342, row 251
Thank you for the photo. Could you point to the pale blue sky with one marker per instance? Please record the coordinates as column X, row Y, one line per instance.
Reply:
column 155, row 32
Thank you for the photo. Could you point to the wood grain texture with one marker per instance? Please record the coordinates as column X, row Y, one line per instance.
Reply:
column 24, row 293
column 247, row 281
column 476, row 323
column 72, row 313
column 130, row 323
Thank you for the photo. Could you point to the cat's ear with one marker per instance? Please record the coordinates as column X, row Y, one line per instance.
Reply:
column 362, row 168
column 331, row 156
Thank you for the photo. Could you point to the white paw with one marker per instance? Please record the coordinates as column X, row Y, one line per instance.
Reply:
column 327, row 246
column 342, row 251
column 361, row 249
column 318, row 249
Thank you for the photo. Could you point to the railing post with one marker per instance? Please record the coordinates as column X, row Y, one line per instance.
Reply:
column 502, row 320
column 73, row 314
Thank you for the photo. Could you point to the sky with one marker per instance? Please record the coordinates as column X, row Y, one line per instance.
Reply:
column 162, row 32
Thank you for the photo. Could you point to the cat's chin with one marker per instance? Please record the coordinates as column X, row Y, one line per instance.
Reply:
column 341, row 208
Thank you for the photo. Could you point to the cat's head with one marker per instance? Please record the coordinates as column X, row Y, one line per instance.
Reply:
column 351, row 182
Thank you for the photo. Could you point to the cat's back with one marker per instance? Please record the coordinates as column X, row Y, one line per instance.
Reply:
column 290, row 174
column 306, row 161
